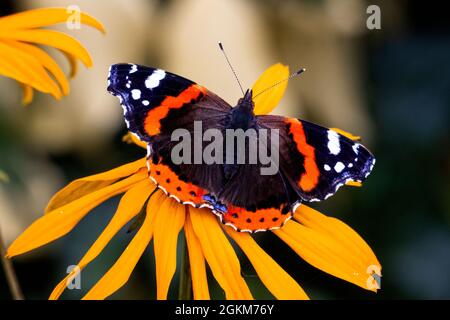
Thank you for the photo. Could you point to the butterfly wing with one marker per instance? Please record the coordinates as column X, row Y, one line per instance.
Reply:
column 317, row 161
column 254, row 201
column 156, row 103
column 153, row 98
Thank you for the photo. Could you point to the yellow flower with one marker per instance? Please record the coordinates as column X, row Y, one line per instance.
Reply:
column 326, row 243
column 32, row 67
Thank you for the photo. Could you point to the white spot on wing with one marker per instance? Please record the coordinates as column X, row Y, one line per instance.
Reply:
column 133, row 68
column 136, row 94
column 355, row 148
column 339, row 167
column 334, row 146
column 154, row 79
column 327, row 167
column 145, row 102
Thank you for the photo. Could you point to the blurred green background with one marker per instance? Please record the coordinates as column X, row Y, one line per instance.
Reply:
column 391, row 86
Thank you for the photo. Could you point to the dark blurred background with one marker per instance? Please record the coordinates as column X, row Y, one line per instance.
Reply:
column 391, row 86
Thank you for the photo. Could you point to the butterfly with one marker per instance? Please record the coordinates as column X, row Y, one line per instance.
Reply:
column 314, row 161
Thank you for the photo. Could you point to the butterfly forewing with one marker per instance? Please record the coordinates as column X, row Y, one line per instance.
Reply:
column 317, row 160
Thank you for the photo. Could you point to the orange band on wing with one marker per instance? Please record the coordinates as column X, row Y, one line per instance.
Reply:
column 171, row 184
column 153, row 119
column 262, row 219
column 310, row 177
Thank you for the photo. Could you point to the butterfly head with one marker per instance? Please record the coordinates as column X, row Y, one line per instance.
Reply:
column 242, row 115
column 248, row 96
column 246, row 102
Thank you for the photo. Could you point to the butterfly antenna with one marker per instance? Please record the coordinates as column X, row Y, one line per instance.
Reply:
column 295, row 74
column 231, row 67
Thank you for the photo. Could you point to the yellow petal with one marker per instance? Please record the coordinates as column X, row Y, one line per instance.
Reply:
column 45, row 17
column 168, row 223
column 46, row 60
column 267, row 101
column 59, row 222
column 73, row 63
column 27, row 94
column 120, row 272
column 278, row 281
column 353, row 184
column 346, row 134
column 7, row 70
column 332, row 246
column 51, row 38
column 196, row 263
column 28, row 70
column 130, row 205
column 83, row 186
column 334, row 227
column 219, row 254
column 131, row 138
column 13, row 67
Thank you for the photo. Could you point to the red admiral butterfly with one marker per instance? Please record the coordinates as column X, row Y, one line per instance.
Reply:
column 314, row 161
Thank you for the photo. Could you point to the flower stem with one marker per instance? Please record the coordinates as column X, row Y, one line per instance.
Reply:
column 10, row 275
column 185, row 288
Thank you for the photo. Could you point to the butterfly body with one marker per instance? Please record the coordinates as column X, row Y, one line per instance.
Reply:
column 313, row 161
column 242, row 116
